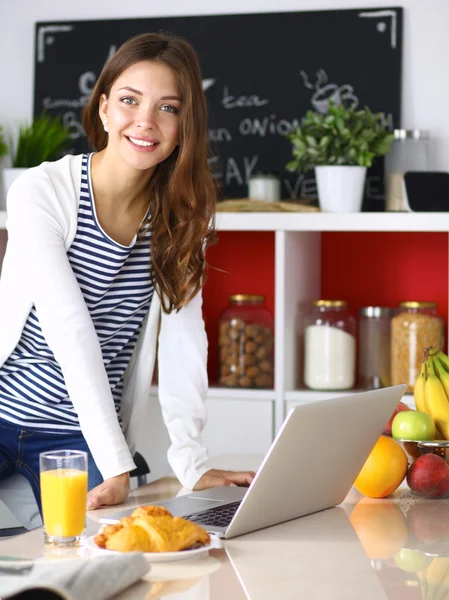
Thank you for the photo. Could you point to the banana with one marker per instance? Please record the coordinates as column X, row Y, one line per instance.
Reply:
column 435, row 400
column 418, row 391
column 443, row 358
column 442, row 374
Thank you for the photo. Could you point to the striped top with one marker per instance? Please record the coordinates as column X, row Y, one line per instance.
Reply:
column 115, row 282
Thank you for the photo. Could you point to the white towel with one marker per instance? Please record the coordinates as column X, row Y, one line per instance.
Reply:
column 93, row 579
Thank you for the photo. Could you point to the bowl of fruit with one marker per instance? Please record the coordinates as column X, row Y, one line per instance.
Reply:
column 428, row 473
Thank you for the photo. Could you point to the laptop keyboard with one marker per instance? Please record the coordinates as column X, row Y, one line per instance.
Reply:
column 219, row 516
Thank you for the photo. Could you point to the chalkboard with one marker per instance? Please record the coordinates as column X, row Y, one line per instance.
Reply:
column 261, row 73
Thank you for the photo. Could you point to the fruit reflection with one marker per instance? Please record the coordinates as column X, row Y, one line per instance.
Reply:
column 380, row 526
column 434, row 580
column 428, row 521
column 412, row 561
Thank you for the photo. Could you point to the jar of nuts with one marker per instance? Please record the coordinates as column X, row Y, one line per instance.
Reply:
column 414, row 328
column 245, row 341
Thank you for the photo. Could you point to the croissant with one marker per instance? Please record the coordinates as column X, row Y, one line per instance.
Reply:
column 151, row 529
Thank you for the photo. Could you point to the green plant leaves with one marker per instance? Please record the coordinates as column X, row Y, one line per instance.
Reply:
column 3, row 146
column 43, row 140
column 343, row 136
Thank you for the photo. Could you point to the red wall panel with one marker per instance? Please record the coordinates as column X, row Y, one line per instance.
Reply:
column 383, row 268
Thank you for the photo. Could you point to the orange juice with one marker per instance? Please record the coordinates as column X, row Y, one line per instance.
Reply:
column 64, row 498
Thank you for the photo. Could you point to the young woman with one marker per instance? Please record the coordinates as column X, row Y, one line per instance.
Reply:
column 101, row 249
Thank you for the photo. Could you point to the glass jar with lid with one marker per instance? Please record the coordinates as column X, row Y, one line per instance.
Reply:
column 409, row 152
column 245, row 339
column 329, row 346
column 416, row 326
column 374, row 346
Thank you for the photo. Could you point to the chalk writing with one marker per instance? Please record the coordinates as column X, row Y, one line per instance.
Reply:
column 234, row 170
column 222, row 134
column 329, row 92
column 230, row 101
column 264, row 125
column 70, row 121
column 303, row 187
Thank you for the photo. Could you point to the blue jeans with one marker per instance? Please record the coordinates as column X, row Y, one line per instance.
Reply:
column 20, row 448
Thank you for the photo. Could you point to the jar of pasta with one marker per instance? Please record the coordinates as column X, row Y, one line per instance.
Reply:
column 245, row 339
column 415, row 327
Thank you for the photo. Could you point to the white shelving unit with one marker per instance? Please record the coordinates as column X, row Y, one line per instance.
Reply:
column 245, row 421
column 298, row 282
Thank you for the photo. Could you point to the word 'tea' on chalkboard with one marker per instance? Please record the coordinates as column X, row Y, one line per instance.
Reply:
column 261, row 73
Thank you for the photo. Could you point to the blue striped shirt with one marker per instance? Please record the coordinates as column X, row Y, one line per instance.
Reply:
column 116, row 285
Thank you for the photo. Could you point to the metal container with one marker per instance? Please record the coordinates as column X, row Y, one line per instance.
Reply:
column 374, row 347
column 409, row 152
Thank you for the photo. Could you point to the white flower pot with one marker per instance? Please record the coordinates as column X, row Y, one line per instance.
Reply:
column 9, row 176
column 340, row 188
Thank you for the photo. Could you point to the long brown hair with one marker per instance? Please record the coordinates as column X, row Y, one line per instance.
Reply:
column 182, row 191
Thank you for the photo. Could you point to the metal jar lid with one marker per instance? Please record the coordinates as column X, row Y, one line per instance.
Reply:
column 414, row 304
column 375, row 312
column 251, row 298
column 330, row 303
column 411, row 134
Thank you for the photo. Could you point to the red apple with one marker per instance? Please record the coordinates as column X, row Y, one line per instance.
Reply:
column 429, row 521
column 399, row 407
column 429, row 476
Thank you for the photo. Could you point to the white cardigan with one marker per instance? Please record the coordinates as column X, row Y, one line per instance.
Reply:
column 42, row 207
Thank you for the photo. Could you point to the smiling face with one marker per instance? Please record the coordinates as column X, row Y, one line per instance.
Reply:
column 142, row 115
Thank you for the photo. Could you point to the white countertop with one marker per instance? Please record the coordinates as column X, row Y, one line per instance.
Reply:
column 348, row 552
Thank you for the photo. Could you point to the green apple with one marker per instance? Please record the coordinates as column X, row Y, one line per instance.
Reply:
column 413, row 425
column 412, row 561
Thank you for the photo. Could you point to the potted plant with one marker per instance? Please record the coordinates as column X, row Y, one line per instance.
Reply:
column 42, row 140
column 340, row 144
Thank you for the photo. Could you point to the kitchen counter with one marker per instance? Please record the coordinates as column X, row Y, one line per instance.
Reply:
column 395, row 548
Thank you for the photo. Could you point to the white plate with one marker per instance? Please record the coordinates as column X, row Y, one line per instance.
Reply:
column 215, row 543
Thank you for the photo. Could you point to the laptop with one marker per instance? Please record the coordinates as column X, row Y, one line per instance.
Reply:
column 310, row 466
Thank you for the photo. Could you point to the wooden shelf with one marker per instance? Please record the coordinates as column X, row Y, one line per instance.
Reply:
column 364, row 221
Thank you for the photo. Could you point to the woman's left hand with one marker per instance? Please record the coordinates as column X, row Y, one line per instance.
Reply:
column 112, row 491
column 217, row 477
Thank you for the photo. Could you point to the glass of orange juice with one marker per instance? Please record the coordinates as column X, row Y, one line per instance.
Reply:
column 63, row 475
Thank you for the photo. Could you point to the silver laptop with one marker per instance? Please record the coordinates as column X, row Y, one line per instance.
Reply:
column 310, row 466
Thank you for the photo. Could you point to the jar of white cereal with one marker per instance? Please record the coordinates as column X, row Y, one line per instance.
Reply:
column 329, row 346
column 416, row 326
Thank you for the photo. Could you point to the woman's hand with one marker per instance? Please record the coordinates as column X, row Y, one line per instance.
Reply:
column 217, row 477
column 112, row 491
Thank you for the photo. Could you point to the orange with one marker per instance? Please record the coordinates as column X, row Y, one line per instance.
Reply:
column 380, row 526
column 384, row 469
